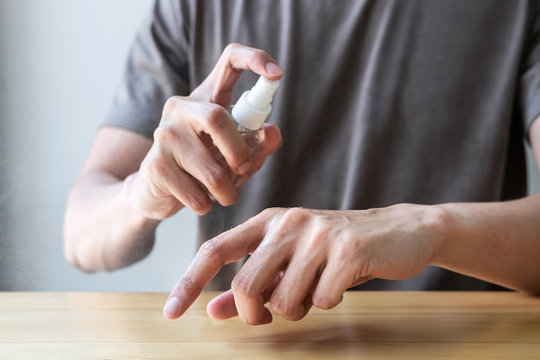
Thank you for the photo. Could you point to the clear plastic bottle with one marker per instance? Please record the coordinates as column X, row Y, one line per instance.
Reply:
column 252, row 109
column 249, row 114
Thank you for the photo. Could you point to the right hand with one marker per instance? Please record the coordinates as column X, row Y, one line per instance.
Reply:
column 181, row 168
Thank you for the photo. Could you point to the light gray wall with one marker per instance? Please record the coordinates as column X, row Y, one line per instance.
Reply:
column 60, row 61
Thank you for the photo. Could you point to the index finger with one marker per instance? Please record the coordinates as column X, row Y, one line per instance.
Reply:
column 234, row 59
column 225, row 248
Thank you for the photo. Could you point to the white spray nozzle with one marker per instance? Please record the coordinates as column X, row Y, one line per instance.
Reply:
column 253, row 107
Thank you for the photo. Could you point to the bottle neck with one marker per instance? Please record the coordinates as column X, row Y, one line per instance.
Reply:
column 239, row 126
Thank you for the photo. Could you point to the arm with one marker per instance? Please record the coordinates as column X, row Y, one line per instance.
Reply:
column 129, row 183
column 92, row 240
column 304, row 257
column 497, row 242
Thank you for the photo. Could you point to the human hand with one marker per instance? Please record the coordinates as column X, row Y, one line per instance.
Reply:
column 301, row 258
column 181, row 168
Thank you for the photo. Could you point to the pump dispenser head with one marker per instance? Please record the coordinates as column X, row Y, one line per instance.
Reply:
column 254, row 106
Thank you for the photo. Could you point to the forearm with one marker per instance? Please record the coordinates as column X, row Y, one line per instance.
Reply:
column 102, row 231
column 498, row 242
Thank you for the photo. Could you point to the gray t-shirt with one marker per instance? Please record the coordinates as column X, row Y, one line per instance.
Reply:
column 382, row 102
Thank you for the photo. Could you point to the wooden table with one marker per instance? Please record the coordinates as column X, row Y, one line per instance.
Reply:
column 367, row 325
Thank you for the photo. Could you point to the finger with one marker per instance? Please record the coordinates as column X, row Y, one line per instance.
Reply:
column 206, row 118
column 188, row 192
column 254, row 277
column 272, row 139
column 292, row 298
column 222, row 307
column 337, row 277
column 213, row 254
column 201, row 161
column 169, row 178
column 234, row 59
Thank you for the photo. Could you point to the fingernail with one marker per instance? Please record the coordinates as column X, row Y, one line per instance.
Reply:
column 244, row 168
column 171, row 307
column 273, row 70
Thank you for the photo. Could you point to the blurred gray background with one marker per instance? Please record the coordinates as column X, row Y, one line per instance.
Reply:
column 60, row 61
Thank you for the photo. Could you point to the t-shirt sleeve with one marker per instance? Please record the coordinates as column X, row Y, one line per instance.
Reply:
column 530, row 78
column 156, row 69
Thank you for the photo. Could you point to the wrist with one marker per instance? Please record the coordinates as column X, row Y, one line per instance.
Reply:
column 428, row 226
column 442, row 224
column 127, row 197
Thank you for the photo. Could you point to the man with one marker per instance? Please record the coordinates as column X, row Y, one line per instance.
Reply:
column 402, row 159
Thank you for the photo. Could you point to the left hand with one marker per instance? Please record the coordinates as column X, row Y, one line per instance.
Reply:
column 302, row 257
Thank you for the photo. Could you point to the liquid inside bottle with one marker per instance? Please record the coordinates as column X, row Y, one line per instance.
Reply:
column 253, row 139
column 249, row 114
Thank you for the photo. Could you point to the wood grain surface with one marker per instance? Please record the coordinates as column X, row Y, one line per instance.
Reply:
column 366, row 325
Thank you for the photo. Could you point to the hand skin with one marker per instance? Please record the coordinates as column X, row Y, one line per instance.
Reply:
column 129, row 183
column 301, row 257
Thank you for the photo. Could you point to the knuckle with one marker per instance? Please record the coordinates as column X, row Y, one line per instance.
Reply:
column 211, row 250
column 215, row 117
column 216, row 178
column 372, row 212
column 321, row 227
column 200, row 204
column 186, row 284
column 231, row 48
column 261, row 54
column 165, row 133
column 242, row 286
column 267, row 215
column 297, row 213
column 270, row 211
column 279, row 305
column 294, row 217
column 157, row 168
column 320, row 233
column 170, row 105
column 286, row 310
column 160, row 134
column 240, row 156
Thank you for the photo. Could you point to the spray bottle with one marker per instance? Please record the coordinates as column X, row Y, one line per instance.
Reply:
column 249, row 113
